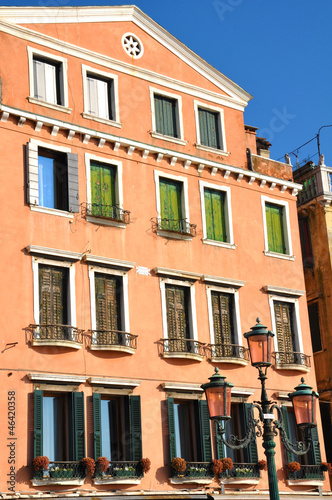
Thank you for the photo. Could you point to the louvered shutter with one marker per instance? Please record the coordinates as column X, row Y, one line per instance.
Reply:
column 72, row 170
column 289, row 456
column 285, row 334
column 205, row 434
column 39, row 79
column 97, row 429
column 315, row 447
column 50, row 83
column 135, row 428
column 252, row 447
column 275, row 229
column 52, row 295
column 107, row 303
column 78, row 425
column 103, row 196
column 165, row 116
column 209, row 128
column 222, row 322
column 170, row 204
column 38, row 423
column 32, row 174
column 92, row 95
column 215, row 214
column 171, row 428
column 177, row 326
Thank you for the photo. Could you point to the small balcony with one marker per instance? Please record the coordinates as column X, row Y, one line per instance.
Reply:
column 113, row 340
column 108, row 212
column 292, row 361
column 60, row 473
column 56, row 335
column 125, row 472
column 244, row 473
column 308, row 474
column 196, row 472
column 316, row 182
column 229, row 353
column 183, row 348
column 174, row 228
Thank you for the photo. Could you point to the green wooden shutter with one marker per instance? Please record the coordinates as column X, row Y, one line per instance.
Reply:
column 107, row 293
column 214, row 201
column 52, row 295
column 315, row 447
column 252, row 447
column 170, row 204
column 97, row 429
column 165, row 116
column 177, row 314
column 38, row 423
column 135, row 428
column 275, row 228
column 209, row 128
column 289, row 456
column 103, row 196
column 223, row 323
column 171, row 428
column 78, row 425
column 72, row 169
column 205, row 434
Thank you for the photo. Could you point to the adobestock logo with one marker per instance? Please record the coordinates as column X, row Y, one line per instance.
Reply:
column 277, row 123
column 223, row 7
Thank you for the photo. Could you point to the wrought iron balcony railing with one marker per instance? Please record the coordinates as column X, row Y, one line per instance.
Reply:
column 113, row 212
column 307, row 472
column 229, row 351
column 292, row 358
column 183, row 346
column 242, row 470
column 195, row 469
column 105, row 338
column 64, row 471
column 121, row 469
column 181, row 226
column 56, row 333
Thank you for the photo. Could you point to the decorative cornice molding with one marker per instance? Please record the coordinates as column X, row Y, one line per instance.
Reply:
column 217, row 280
column 279, row 290
column 57, row 378
column 114, row 382
column 119, row 264
column 53, row 252
column 175, row 273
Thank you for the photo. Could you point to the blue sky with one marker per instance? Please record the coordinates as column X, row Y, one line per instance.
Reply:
column 279, row 51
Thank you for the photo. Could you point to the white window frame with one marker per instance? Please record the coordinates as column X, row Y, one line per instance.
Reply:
column 296, row 326
column 221, row 125
column 228, row 215
column 114, row 97
column 118, row 187
column 33, row 189
column 184, row 201
column 124, row 298
column 179, row 119
column 191, row 309
column 36, row 261
column 63, row 83
column 286, row 227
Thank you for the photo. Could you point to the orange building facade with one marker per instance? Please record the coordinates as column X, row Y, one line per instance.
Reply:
column 143, row 235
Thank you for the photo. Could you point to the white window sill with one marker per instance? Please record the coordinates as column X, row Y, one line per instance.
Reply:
column 222, row 244
column 105, row 222
column 112, row 123
column 234, row 361
column 293, row 367
column 304, row 482
column 115, row 480
column 56, row 343
column 119, row 348
column 56, row 107
column 51, row 211
column 174, row 235
column 190, row 480
column 59, row 482
column 212, row 150
column 240, row 480
column 279, row 255
column 168, row 138
column 183, row 355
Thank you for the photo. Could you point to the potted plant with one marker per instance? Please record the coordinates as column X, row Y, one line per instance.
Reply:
column 293, row 468
column 89, row 465
column 102, row 465
column 326, row 467
column 242, row 472
column 145, row 464
column 61, row 473
column 196, row 471
column 125, row 471
column 40, row 464
column 262, row 465
column 179, row 465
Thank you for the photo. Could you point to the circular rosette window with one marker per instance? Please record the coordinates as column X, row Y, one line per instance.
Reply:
column 132, row 45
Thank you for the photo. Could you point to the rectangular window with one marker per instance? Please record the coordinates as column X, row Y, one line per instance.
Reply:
column 275, row 228
column 48, row 80
column 316, row 340
column 103, row 190
column 287, row 337
column 166, row 116
column 222, row 311
column 53, row 303
column 171, row 205
column 307, row 256
column 108, row 301
column 214, row 201
column 177, row 303
column 100, row 96
column 52, row 177
column 209, row 128
column 189, row 430
column 117, row 427
column 59, row 425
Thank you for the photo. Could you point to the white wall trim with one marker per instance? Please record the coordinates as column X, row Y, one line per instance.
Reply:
column 286, row 226
column 53, row 252
column 228, row 211
column 219, row 281
column 53, row 377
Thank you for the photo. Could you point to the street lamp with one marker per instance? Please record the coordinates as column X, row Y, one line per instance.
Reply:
column 218, row 395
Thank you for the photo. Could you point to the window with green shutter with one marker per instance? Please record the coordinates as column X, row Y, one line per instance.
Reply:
column 171, row 214
column 166, row 116
column 214, row 201
column 189, row 430
column 117, row 427
column 223, row 325
column 238, row 426
column 275, row 228
column 209, row 128
column 53, row 303
column 103, row 190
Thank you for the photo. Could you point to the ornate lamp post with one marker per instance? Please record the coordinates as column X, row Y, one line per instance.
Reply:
column 218, row 395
